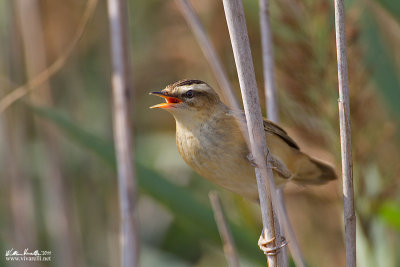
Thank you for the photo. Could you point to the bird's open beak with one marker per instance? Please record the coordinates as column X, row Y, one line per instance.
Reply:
column 171, row 101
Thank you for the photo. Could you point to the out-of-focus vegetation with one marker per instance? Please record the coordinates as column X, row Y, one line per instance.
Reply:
column 58, row 186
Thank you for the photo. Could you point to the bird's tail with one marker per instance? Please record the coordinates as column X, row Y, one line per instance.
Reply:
column 314, row 172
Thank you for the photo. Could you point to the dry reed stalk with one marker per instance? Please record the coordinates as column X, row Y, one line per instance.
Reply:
column 224, row 231
column 22, row 219
column 268, row 62
column 345, row 135
column 270, row 98
column 273, row 115
column 241, row 49
column 56, row 203
column 122, row 91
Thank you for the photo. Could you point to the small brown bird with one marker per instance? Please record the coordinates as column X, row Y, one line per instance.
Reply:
column 210, row 141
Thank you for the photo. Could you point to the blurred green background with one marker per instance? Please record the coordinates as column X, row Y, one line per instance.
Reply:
column 58, row 187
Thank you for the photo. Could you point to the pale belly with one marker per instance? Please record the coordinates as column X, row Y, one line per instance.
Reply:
column 225, row 163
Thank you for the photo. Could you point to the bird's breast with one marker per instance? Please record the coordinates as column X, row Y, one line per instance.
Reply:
column 218, row 153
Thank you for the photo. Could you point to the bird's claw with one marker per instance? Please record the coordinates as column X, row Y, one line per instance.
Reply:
column 265, row 244
column 251, row 160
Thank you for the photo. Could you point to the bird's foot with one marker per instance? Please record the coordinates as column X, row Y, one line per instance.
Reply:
column 275, row 164
column 251, row 160
column 265, row 245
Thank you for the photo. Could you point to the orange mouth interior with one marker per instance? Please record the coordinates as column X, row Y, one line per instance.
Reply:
column 171, row 101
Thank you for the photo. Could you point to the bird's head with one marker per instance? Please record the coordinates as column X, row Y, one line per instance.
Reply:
column 188, row 98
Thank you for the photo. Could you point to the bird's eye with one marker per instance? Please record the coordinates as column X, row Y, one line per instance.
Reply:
column 189, row 94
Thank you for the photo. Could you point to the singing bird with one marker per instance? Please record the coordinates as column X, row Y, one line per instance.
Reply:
column 210, row 141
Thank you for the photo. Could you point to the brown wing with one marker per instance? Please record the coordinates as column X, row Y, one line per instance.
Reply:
column 273, row 128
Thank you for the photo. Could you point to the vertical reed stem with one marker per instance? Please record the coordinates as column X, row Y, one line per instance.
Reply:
column 270, row 94
column 273, row 115
column 122, row 91
column 57, row 208
column 268, row 62
column 241, row 49
column 22, row 215
column 345, row 135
